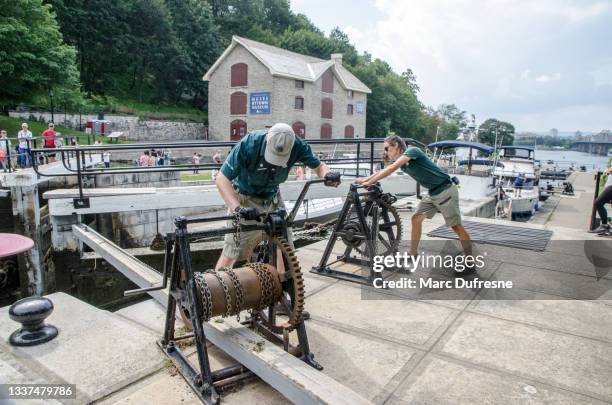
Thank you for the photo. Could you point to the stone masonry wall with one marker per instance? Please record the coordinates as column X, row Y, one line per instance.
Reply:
column 283, row 93
column 138, row 130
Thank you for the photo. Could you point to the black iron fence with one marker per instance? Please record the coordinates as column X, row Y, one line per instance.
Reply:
column 90, row 160
column 12, row 155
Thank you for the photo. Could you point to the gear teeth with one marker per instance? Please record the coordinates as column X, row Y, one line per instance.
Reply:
column 298, row 282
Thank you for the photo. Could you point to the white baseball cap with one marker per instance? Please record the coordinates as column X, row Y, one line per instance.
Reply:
column 279, row 143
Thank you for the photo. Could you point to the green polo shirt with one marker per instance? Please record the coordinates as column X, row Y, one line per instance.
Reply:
column 249, row 172
column 423, row 170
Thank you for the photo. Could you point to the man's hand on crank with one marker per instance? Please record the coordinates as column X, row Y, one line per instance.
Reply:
column 332, row 179
column 248, row 213
column 364, row 181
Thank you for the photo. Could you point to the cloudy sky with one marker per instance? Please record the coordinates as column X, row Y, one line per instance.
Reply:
column 538, row 64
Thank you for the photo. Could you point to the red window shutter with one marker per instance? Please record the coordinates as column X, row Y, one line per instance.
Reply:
column 326, row 131
column 300, row 129
column 238, row 103
column 327, row 108
column 239, row 73
column 327, row 82
column 349, row 131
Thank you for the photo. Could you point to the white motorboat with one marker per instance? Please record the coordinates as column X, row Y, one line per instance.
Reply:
column 473, row 171
column 515, row 161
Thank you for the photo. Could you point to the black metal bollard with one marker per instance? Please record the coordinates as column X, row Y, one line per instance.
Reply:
column 31, row 312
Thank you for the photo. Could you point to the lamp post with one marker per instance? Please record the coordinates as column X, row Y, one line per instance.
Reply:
column 51, row 97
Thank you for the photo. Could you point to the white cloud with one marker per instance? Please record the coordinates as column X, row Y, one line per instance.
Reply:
column 496, row 57
column 547, row 78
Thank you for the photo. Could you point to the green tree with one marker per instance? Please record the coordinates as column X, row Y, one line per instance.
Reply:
column 155, row 53
column 392, row 106
column 491, row 127
column 340, row 44
column 199, row 48
column 100, row 32
column 307, row 42
column 33, row 57
column 452, row 114
column 410, row 79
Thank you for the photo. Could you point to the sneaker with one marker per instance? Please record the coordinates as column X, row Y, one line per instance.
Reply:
column 601, row 229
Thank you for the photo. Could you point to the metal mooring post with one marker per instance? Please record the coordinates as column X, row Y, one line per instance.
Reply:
column 80, row 202
column 371, row 157
column 358, row 158
column 595, row 195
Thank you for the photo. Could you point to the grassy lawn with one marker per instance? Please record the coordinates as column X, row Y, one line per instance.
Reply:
column 13, row 125
column 160, row 111
column 196, row 177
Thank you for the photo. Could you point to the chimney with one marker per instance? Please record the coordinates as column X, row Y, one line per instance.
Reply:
column 337, row 58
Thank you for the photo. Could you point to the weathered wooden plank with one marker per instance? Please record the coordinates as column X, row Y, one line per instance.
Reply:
column 293, row 378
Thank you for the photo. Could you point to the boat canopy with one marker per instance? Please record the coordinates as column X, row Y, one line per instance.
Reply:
column 461, row 144
column 517, row 147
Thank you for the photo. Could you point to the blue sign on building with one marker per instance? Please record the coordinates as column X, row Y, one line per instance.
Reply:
column 260, row 103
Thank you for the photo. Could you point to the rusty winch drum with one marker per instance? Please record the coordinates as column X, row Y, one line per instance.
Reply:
column 228, row 291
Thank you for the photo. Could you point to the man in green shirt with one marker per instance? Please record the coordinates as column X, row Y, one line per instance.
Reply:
column 443, row 196
column 249, row 179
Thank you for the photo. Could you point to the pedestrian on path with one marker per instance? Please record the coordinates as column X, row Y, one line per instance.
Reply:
column 24, row 137
column 5, row 147
column 605, row 197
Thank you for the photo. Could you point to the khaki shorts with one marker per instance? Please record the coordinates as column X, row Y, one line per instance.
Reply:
column 236, row 251
column 446, row 203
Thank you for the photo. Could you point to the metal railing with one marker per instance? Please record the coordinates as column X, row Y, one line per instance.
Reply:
column 365, row 156
column 12, row 155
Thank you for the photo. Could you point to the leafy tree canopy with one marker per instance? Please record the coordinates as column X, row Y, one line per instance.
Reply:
column 33, row 56
column 493, row 129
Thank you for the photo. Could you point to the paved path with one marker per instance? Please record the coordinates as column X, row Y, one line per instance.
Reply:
column 575, row 211
column 546, row 341
column 541, row 346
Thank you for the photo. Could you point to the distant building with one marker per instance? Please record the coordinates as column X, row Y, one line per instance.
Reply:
column 253, row 86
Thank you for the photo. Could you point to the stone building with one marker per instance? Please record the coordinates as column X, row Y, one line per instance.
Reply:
column 253, row 86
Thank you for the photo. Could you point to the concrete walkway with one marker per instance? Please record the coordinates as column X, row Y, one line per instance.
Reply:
column 545, row 347
column 575, row 211
column 542, row 342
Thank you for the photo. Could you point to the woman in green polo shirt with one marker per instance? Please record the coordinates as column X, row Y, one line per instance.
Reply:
column 442, row 197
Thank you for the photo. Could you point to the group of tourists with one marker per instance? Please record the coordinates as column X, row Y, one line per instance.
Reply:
column 20, row 154
column 154, row 158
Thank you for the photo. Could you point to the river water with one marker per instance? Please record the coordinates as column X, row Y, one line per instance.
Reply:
column 567, row 157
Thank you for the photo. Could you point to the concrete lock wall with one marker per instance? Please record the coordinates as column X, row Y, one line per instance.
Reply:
column 138, row 228
column 137, row 130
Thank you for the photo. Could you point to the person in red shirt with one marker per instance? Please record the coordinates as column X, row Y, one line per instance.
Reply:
column 50, row 135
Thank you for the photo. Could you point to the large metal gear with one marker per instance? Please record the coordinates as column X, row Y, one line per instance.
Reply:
column 389, row 231
column 258, row 251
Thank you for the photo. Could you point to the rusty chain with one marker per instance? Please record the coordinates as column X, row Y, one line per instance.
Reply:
column 237, row 289
column 200, row 281
column 226, row 294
